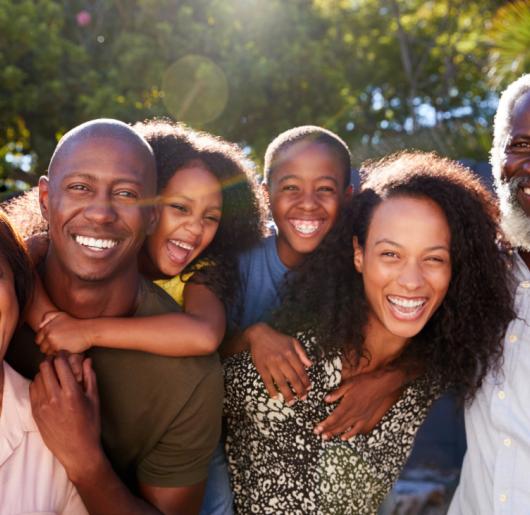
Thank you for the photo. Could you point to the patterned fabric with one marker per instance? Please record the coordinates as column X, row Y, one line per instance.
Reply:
column 277, row 463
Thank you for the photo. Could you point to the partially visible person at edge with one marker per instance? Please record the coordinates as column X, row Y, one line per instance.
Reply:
column 32, row 480
column 494, row 477
column 210, row 212
column 408, row 286
column 160, row 416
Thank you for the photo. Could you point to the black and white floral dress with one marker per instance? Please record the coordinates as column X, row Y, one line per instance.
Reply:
column 279, row 466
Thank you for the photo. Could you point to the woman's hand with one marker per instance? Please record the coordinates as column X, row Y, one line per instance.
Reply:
column 280, row 361
column 60, row 331
column 364, row 399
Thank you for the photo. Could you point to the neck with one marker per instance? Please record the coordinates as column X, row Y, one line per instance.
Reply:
column 115, row 296
column 147, row 267
column 382, row 347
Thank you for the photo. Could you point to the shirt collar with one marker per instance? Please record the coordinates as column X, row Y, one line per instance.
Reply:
column 15, row 419
column 519, row 269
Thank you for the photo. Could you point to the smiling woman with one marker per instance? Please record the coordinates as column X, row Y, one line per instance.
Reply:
column 32, row 479
column 411, row 273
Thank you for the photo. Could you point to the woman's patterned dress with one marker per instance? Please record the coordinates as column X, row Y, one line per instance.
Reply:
column 279, row 466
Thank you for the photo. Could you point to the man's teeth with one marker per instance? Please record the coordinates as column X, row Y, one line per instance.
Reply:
column 407, row 303
column 526, row 190
column 182, row 244
column 306, row 226
column 95, row 243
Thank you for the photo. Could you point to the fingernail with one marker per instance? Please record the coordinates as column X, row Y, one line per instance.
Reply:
column 325, row 436
column 304, row 398
column 291, row 402
column 318, row 430
column 310, row 386
column 327, row 398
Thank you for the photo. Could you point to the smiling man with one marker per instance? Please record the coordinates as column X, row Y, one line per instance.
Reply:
column 160, row 416
column 495, row 472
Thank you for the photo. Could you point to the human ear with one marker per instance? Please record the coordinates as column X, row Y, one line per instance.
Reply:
column 153, row 216
column 358, row 256
column 44, row 186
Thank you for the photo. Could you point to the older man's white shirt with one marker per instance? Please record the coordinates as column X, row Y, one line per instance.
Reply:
column 31, row 479
column 496, row 471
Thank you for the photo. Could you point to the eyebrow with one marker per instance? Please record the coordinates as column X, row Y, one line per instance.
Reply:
column 321, row 177
column 390, row 242
column 172, row 198
column 91, row 178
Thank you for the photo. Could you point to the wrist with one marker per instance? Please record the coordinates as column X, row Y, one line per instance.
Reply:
column 87, row 467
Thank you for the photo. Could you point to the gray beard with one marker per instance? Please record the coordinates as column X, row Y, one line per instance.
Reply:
column 514, row 221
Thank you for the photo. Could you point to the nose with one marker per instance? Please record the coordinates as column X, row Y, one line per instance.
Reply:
column 411, row 276
column 308, row 200
column 101, row 211
column 194, row 226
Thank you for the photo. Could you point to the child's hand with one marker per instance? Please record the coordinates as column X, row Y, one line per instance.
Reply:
column 280, row 361
column 364, row 399
column 60, row 331
column 37, row 246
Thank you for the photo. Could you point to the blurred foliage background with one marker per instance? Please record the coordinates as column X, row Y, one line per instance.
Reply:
column 384, row 74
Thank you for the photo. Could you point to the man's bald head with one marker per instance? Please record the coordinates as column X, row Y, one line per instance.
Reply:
column 104, row 128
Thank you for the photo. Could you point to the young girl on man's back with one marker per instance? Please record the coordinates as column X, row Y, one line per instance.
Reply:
column 209, row 213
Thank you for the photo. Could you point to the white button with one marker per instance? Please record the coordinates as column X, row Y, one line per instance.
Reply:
column 502, row 497
column 501, row 395
column 525, row 284
column 507, row 442
column 512, row 338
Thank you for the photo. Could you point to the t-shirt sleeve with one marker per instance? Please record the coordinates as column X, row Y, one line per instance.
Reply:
column 182, row 455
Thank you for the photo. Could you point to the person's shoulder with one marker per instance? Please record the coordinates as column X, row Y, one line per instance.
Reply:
column 154, row 300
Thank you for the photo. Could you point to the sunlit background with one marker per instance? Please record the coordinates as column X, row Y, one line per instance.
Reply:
column 384, row 74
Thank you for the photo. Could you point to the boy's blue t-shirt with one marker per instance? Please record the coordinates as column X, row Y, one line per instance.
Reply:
column 261, row 275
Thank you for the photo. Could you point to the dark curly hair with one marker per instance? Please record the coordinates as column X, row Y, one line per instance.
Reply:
column 13, row 250
column 175, row 145
column 463, row 339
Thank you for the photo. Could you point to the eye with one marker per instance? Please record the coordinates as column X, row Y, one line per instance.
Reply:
column 213, row 218
column 326, row 189
column 390, row 254
column 78, row 187
column 179, row 207
column 520, row 145
column 289, row 187
column 126, row 194
column 435, row 259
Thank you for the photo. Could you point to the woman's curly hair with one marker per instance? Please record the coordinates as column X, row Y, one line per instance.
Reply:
column 241, row 227
column 463, row 339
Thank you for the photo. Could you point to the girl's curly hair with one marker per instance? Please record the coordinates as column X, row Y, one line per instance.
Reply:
column 463, row 339
column 241, row 227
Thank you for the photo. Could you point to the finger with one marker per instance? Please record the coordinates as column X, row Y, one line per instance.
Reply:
column 64, row 372
column 338, row 422
column 281, row 384
column 50, row 381
column 47, row 318
column 36, row 390
column 269, row 384
column 299, row 368
column 300, row 351
column 293, row 379
column 353, row 431
column 90, row 382
column 76, row 364
column 337, row 394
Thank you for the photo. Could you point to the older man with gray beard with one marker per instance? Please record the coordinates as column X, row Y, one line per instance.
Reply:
column 495, row 474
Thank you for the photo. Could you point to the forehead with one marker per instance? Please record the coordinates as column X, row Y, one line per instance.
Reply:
column 304, row 158
column 521, row 115
column 104, row 159
column 193, row 181
column 406, row 218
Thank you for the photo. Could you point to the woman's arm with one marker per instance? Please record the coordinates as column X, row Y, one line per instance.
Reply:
column 197, row 331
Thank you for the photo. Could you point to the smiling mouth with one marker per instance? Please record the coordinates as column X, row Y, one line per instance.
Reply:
column 179, row 251
column 306, row 227
column 406, row 308
column 96, row 244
